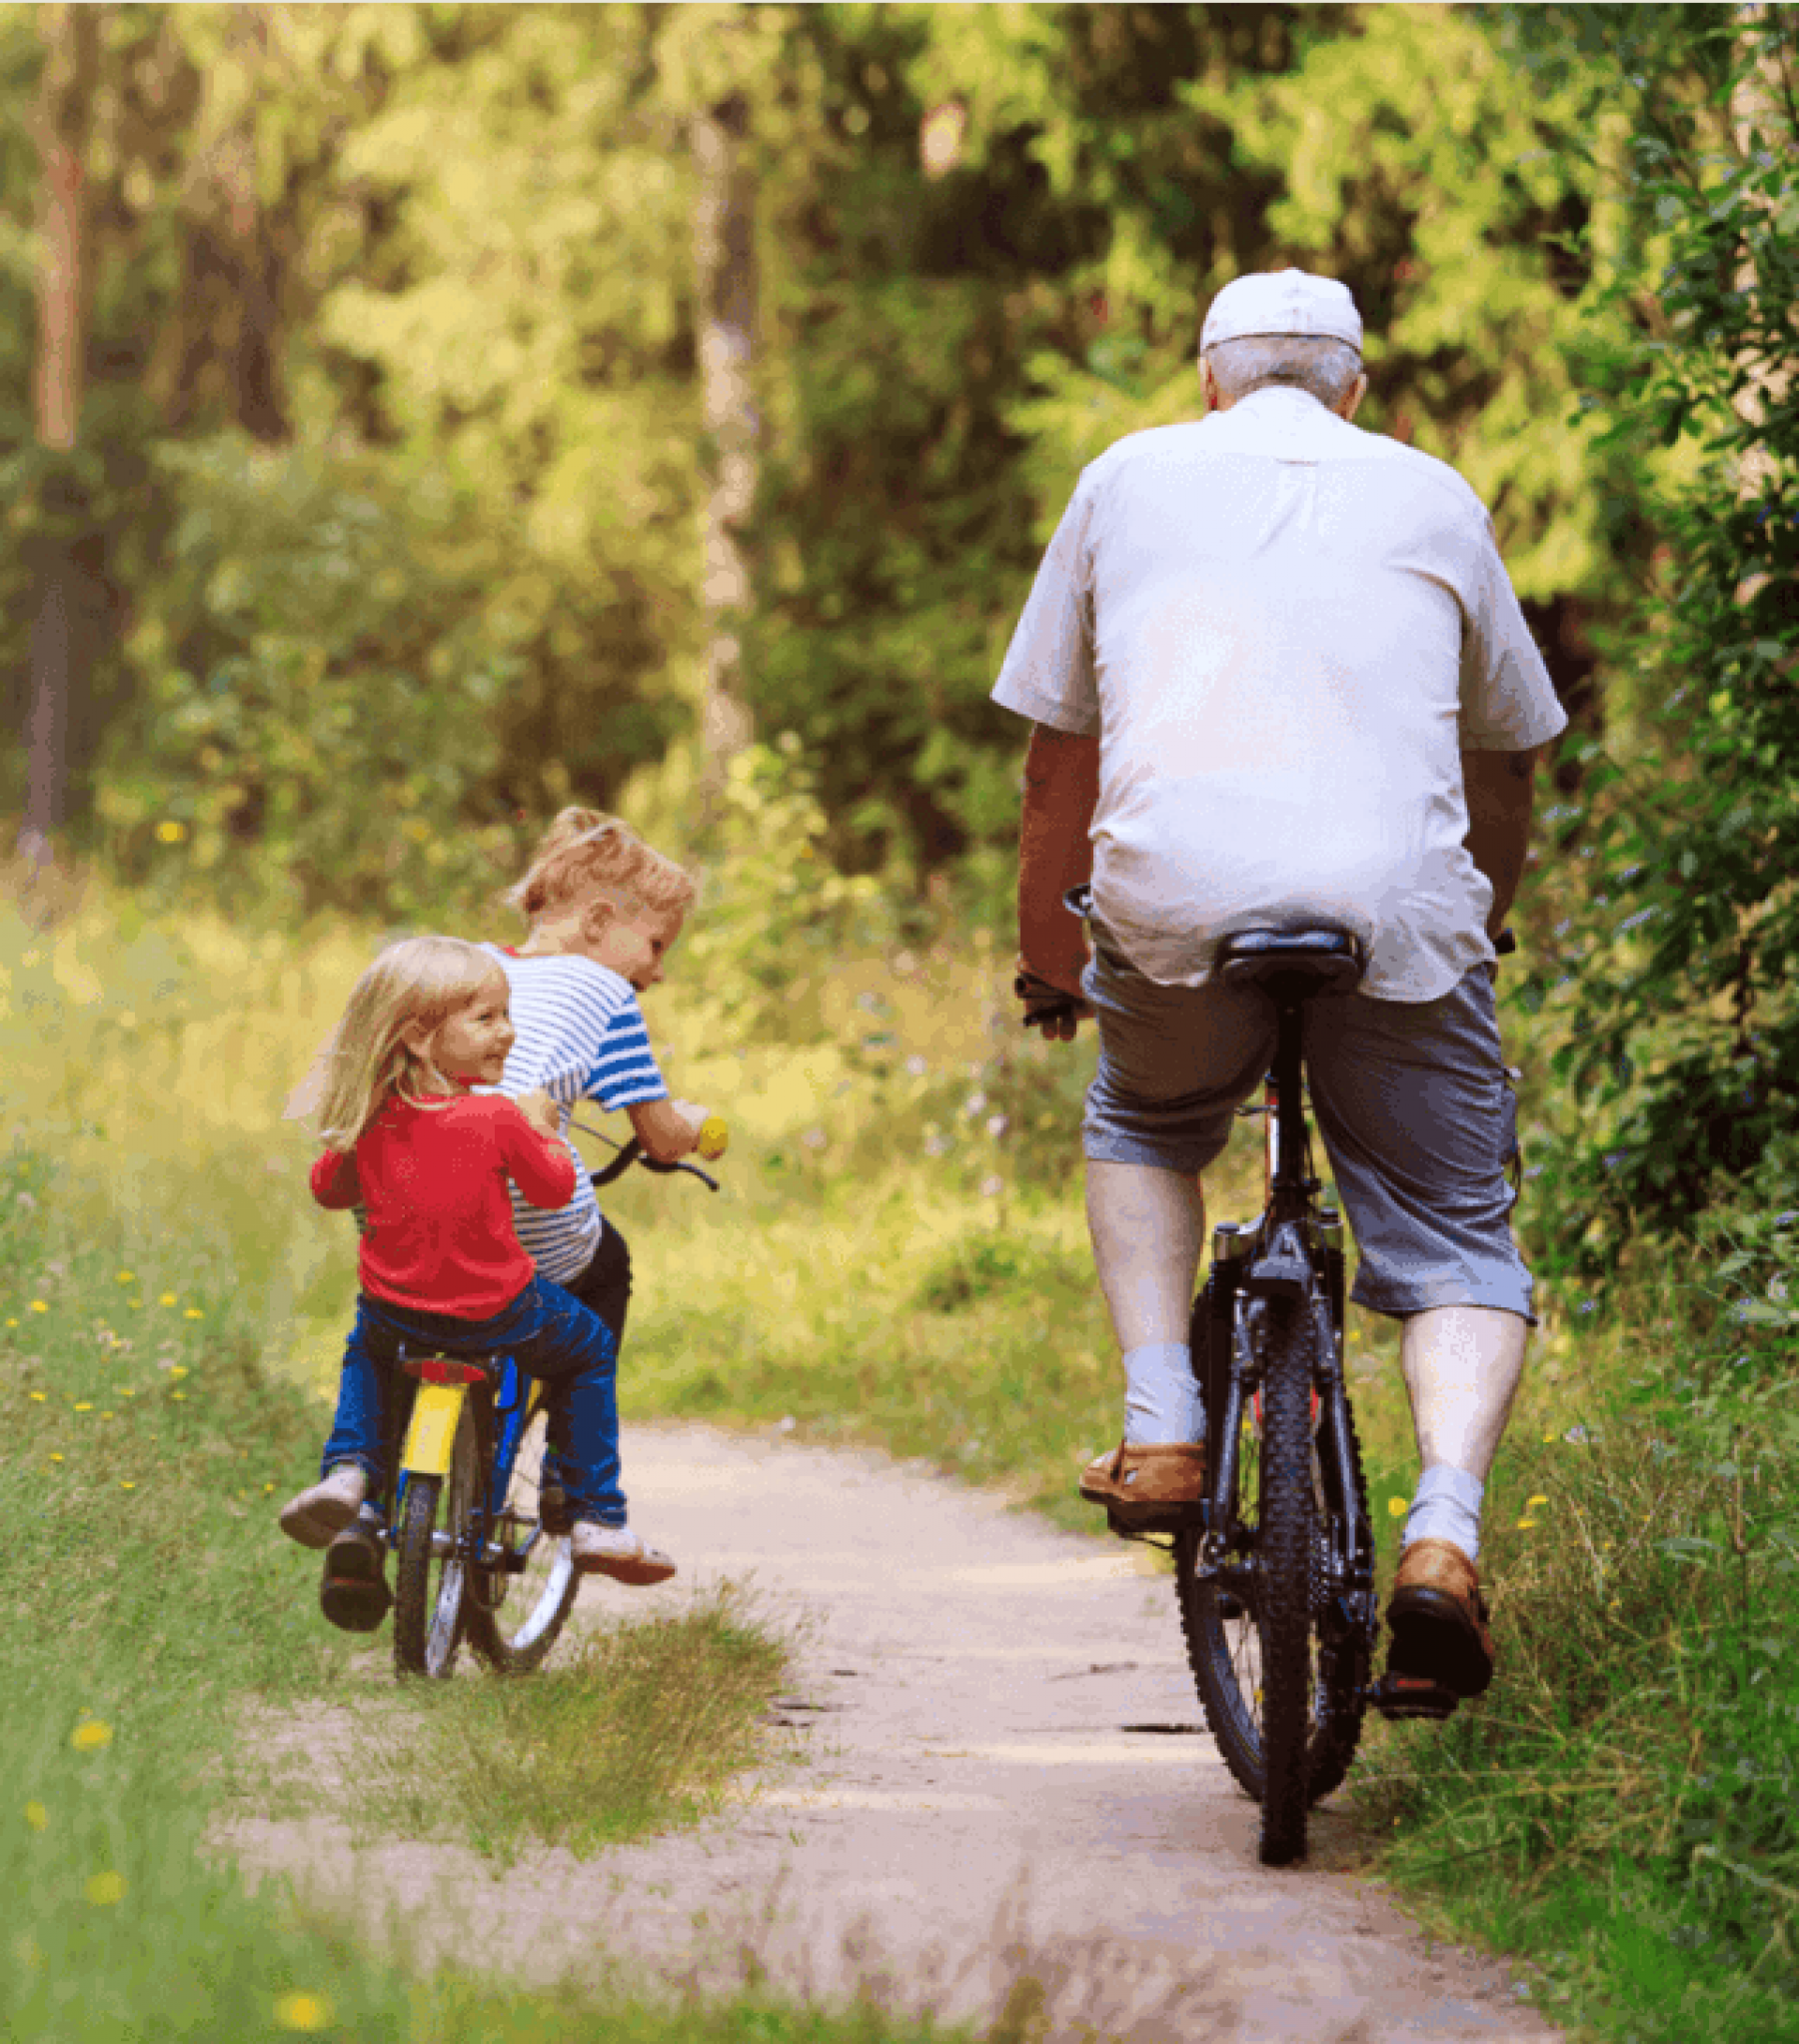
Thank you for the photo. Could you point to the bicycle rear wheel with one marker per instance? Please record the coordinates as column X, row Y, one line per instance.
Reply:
column 1225, row 1604
column 1289, row 1576
column 516, row 1612
column 431, row 1542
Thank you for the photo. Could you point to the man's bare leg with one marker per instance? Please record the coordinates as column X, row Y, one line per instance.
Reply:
column 1147, row 1229
column 1462, row 1367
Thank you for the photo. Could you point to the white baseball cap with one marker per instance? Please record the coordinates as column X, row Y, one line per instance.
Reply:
column 1282, row 302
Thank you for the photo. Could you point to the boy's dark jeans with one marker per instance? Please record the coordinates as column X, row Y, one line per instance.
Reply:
column 548, row 1332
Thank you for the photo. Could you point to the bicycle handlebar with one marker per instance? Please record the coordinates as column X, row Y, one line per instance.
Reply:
column 714, row 1140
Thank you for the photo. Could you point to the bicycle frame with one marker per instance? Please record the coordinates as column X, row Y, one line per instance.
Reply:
column 1293, row 1252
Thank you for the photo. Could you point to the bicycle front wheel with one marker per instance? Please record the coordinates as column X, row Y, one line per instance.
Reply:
column 431, row 1577
column 517, row 1609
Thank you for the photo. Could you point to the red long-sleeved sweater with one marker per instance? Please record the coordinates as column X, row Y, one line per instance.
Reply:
column 440, row 1235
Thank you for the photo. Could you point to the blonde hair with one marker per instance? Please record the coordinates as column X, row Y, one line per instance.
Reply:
column 417, row 984
column 586, row 854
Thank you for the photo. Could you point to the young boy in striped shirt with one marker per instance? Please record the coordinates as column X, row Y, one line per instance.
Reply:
column 603, row 911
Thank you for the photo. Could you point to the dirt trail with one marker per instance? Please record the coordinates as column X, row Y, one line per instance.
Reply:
column 1003, row 1777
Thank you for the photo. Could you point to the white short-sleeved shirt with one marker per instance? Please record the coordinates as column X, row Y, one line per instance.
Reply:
column 1285, row 631
column 580, row 1035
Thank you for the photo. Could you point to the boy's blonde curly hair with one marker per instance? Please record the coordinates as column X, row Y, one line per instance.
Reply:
column 586, row 854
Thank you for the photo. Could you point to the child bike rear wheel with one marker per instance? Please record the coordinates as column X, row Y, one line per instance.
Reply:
column 436, row 1522
column 516, row 1611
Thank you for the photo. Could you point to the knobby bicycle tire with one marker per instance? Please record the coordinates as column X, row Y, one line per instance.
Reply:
column 1287, row 1575
column 430, row 1585
column 1343, row 1664
column 514, row 1619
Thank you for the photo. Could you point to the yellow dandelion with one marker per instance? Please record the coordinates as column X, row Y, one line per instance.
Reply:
column 1548, row 1437
column 38, row 1397
column 192, row 1313
column 177, row 1372
column 11, row 1320
column 171, row 830
column 178, row 1396
column 1531, row 1503
column 167, row 1299
column 125, row 1277
column 106, row 1415
column 103, row 1890
column 124, row 1486
column 302, row 2011
column 37, row 1816
column 1524, row 1525
column 126, row 1390
column 54, row 1456
column 39, row 1305
column 84, row 1404
column 1397, row 1507
column 91, row 1735
column 268, row 1489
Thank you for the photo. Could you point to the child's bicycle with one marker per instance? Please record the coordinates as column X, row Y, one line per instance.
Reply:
column 480, row 1544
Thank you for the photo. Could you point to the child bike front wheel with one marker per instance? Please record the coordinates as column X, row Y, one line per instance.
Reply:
column 518, row 1606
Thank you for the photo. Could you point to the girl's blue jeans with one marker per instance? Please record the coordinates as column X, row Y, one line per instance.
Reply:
column 548, row 1332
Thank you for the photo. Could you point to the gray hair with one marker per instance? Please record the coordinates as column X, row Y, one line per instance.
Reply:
column 1325, row 368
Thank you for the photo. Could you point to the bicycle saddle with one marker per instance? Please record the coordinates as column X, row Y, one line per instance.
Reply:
column 1291, row 965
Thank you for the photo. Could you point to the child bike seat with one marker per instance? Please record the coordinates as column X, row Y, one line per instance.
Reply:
column 1291, row 965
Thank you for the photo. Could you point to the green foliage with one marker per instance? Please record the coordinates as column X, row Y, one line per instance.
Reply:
column 1673, row 975
column 777, row 917
column 1622, row 1803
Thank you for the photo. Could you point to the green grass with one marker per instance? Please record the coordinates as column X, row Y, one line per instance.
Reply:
column 632, row 1728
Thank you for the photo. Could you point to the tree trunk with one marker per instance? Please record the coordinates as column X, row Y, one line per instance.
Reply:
column 725, row 263
column 71, row 71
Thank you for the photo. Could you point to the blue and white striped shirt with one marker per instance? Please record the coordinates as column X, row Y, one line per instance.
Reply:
column 580, row 1035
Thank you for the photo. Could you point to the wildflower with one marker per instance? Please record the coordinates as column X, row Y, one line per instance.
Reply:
column 124, row 1486
column 125, row 1277
column 302, row 2011
column 167, row 1299
column 177, row 1370
column 11, row 1323
column 1525, row 1524
column 192, row 1313
column 84, row 1404
column 54, row 1456
column 1397, row 1507
column 37, row 1816
column 92, row 1735
column 1531, row 1503
column 178, row 1396
column 171, row 830
column 103, row 1890
column 39, row 1305
column 38, row 1397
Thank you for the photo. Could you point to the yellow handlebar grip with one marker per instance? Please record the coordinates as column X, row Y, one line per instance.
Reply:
column 714, row 1139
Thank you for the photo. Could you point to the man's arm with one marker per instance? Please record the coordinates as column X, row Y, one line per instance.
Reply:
column 1061, row 789
column 1500, row 789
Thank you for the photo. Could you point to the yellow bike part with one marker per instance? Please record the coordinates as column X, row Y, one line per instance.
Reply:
column 432, row 1431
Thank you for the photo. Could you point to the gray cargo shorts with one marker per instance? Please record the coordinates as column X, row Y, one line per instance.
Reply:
column 1412, row 1101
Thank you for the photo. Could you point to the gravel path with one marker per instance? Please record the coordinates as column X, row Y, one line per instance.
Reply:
column 1003, row 1792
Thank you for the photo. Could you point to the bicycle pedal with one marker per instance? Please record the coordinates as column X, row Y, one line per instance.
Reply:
column 554, row 1514
column 1403, row 1700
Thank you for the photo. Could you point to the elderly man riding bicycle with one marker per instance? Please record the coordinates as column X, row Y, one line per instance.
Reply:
column 1278, row 675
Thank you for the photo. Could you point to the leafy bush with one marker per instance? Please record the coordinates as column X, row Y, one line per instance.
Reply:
column 1677, row 959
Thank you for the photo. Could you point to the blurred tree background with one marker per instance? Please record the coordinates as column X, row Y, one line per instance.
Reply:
column 414, row 417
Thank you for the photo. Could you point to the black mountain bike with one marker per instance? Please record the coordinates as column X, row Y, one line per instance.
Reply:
column 1277, row 1579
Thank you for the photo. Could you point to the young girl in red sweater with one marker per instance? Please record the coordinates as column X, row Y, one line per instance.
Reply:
column 440, row 1263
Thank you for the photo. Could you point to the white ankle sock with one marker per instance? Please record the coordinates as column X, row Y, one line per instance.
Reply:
column 1446, row 1506
column 1162, row 1400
